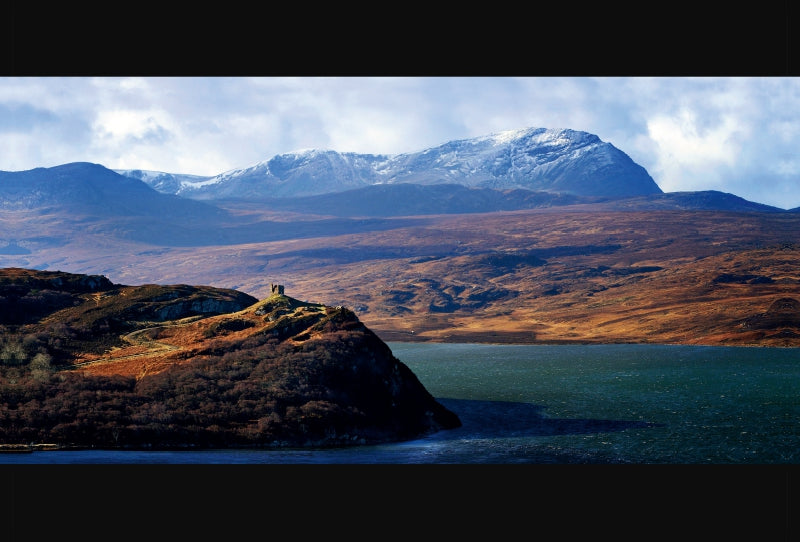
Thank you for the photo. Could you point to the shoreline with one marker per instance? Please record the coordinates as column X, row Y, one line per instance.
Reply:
column 494, row 339
column 29, row 448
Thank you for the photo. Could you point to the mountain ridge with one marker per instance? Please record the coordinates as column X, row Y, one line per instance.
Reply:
column 85, row 186
column 540, row 159
column 408, row 199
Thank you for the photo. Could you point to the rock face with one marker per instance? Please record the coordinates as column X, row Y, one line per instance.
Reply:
column 26, row 296
column 114, row 366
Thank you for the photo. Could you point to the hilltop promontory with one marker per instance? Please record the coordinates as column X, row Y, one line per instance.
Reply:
column 85, row 362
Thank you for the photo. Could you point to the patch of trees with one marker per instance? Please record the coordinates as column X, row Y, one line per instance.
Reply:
column 59, row 340
column 342, row 390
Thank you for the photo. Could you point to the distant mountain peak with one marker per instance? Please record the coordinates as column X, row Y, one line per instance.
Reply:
column 542, row 135
column 554, row 160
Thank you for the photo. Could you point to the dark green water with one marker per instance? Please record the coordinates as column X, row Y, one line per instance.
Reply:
column 639, row 403
column 643, row 404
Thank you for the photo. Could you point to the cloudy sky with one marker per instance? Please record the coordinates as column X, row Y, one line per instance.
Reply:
column 734, row 134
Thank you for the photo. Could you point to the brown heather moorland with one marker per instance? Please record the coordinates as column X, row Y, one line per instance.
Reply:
column 556, row 277
column 570, row 274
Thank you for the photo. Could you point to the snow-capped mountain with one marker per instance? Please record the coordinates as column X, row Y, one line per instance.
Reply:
column 166, row 183
column 539, row 159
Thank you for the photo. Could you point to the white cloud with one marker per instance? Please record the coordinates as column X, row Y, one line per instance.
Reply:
column 687, row 151
column 735, row 134
column 123, row 127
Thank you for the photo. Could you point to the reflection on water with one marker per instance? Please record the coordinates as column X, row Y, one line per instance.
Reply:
column 504, row 419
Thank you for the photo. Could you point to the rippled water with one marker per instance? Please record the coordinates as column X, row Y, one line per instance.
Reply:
column 646, row 404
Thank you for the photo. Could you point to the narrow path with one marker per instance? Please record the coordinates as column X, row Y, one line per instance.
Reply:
column 139, row 338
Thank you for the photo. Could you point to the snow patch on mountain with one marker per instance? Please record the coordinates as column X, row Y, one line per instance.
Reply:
column 166, row 183
column 541, row 159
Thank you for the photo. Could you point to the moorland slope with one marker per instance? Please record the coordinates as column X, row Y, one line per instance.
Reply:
column 561, row 275
column 489, row 266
